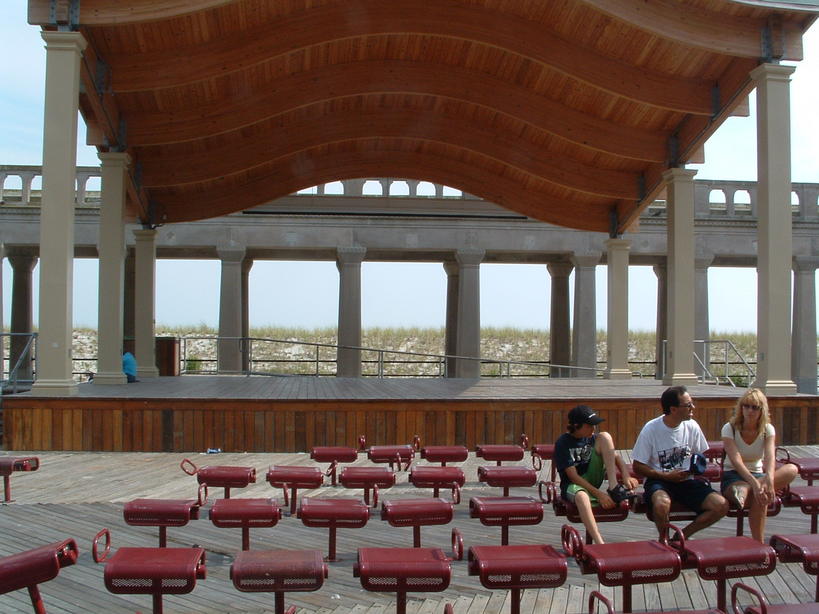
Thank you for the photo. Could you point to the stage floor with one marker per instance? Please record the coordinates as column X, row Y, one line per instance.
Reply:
column 319, row 388
column 77, row 494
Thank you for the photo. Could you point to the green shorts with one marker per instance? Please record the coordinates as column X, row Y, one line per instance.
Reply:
column 594, row 475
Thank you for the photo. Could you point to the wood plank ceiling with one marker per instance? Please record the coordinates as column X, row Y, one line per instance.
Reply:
column 567, row 111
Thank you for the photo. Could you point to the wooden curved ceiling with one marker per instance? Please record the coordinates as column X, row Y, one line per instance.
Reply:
column 567, row 111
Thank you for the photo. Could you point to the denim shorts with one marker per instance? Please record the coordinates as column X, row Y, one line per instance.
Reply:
column 730, row 477
column 691, row 492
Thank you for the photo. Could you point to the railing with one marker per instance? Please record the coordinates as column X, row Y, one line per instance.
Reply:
column 23, row 364
column 729, row 368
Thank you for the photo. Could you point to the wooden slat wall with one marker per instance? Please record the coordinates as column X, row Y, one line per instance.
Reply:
column 296, row 426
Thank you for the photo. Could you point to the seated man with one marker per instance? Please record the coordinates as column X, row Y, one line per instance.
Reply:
column 584, row 458
column 662, row 454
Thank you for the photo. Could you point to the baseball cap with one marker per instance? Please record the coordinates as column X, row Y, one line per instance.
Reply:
column 583, row 414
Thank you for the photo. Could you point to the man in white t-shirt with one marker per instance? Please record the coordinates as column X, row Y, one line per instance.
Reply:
column 662, row 455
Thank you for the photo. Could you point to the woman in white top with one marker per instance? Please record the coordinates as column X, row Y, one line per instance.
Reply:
column 750, row 466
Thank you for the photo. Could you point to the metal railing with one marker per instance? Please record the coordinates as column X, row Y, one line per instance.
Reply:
column 27, row 354
column 730, row 367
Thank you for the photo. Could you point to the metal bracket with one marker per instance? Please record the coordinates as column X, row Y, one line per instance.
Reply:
column 673, row 150
column 715, row 100
column 102, row 80
column 65, row 14
column 641, row 186
column 614, row 222
column 772, row 40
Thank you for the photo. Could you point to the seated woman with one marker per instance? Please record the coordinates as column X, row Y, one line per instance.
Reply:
column 584, row 459
column 750, row 465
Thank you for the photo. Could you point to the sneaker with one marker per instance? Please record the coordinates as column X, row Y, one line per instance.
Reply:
column 619, row 493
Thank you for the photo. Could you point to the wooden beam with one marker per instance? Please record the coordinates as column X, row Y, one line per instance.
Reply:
column 697, row 27
column 445, row 18
column 241, row 150
column 378, row 77
column 107, row 12
column 306, row 169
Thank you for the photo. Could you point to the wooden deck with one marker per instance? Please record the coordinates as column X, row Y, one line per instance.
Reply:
column 293, row 414
column 76, row 494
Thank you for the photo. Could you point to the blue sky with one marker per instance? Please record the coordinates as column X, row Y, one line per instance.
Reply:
column 305, row 293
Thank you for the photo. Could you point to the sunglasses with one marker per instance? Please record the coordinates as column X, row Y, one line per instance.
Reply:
column 751, row 406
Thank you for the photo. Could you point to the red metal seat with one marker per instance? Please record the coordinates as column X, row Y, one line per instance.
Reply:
column 277, row 571
column 517, row 567
column 394, row 455
column 596, row 598
column 806, row 498
column 799, row 549
column 221, row 476
column 499, row 452
column 760, row 607
column 715, row 452
column 428, row 476
column 400, row 570
column 562, row 507
column 542, row 452
column 740, row 514
column 293, row 478
column 368, row 478
column 150, row 571
column 808, row 467
column 623, row 564
column 416, row 513
column 164, row 513
column 507, row 477
column 33, row 567
column 444, row 454
column 10, row 464
column 504, row 512
column 723, row 558
column 335, row 455
column 333, row 514
column 245, row 514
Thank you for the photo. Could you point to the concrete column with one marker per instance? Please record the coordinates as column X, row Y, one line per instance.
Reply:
column 584, row 328
column 451, row 334
column 145, row 300
column 617, row 329
column 680, row 232
column 348, row 261
column 702, row 323
column 661, row 271
column 2, row 322
column 22, row 318
column 803, row 347
column 129, row 300
column 775, row 251
column 559, row 341
column 230, row 309
column 62, row 90
column 468, row 339
column 111, row 248
column 247, row 264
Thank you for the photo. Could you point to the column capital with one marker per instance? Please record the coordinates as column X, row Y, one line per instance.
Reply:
column 114, row 159
column 144, row 234
column 778, row 72
column 585, row 261
column 450, row 268
column 64, row 41
column 679, row 174
column 470, row 256
column 350, row 255
column 660, row 270
column 559, row 269
column 703, row 261
column 231, row 253
column 617, row 245
column 805, row 263
column 22, row 262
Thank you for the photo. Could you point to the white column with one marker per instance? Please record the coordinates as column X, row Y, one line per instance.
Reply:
column 54, row 366
column 247, row 264
column 111, row 269
column 451, row 334
column 468, row 341
column 349, row 310
column 128, row 300
column 230, row 309
column 803, row 350
column 661, row 271
column 2, row 325
column 680, row 233
column 22, row 315
column 702, row 321
column 559, row 341
column 775, row 251
column 617, row 329
column 584, row 327
column 144, row 300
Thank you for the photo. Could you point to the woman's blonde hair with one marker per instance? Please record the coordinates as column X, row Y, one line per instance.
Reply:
column 753, row 396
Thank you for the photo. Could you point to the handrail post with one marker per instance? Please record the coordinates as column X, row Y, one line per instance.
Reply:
column 317, row 361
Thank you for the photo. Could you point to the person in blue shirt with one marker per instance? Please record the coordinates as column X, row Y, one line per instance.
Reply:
column 129, row 367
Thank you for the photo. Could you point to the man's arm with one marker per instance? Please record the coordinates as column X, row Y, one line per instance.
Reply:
column 652, row 474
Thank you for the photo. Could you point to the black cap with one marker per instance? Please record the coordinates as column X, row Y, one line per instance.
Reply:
column 583, row 414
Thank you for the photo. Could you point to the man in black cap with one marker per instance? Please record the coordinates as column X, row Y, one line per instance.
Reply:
column 584, row 459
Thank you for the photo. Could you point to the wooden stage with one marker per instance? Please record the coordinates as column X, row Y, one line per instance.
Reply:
column 292, row 414
column 77, row 494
